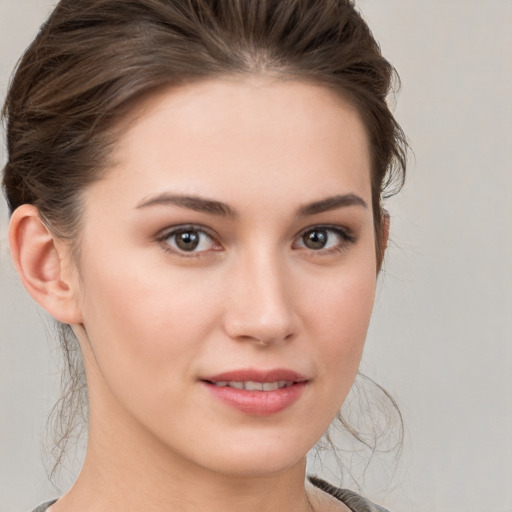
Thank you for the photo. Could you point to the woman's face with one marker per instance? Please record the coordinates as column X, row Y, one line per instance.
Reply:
column 230, row 245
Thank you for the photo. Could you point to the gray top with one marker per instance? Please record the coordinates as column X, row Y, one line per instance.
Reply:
column 351, row 499
column 44, row 506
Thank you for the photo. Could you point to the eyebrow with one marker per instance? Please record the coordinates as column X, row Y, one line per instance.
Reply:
column 211, row 206
column 196, row 203
column 331, row 203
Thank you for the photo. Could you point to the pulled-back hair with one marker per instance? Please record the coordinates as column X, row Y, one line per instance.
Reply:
column 93, row 59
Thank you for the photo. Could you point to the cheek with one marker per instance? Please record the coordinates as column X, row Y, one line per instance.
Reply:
column 343, row 303
column 144, row 318
column 339, row 320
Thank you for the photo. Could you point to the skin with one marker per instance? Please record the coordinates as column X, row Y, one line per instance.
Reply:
column 153, row 321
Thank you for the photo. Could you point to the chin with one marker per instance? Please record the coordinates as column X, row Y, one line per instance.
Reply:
column 257, row 459
column 258, row 466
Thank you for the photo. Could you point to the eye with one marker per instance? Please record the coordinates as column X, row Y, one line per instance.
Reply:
column 324, row 238
column 188, row 239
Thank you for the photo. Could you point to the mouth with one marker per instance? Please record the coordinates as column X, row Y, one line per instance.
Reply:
column 251, row 385
column 257, row 393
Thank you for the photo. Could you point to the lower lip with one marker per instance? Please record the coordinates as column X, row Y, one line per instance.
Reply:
column 258, row 403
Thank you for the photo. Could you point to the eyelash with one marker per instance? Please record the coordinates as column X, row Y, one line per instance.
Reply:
column 346, row 236
column 168, row 233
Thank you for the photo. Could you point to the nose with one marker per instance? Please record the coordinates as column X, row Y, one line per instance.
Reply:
column 260, row 307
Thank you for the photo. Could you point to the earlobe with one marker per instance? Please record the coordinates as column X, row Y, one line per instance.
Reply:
column 43, row 265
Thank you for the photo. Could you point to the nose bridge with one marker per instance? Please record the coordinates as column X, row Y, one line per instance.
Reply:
column 261, row 299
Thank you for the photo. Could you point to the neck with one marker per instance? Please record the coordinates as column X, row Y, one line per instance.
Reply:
column 145, row 485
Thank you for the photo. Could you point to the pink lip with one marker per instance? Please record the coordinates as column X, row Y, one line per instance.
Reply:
column 257, row 376
column 258, row 403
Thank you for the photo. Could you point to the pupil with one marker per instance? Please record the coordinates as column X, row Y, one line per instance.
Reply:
column 187, row 240
column 315, row 239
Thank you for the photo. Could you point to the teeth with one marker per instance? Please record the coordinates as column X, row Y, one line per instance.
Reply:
column 253, row 386
column 250, row 385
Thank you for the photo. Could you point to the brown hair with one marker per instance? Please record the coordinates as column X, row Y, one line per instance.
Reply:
column 93, row 59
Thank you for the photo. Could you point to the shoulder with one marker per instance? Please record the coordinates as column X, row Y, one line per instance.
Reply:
column 354, row 501
column 44, row 506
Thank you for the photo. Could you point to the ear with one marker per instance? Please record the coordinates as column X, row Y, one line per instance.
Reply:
column 44, row 264
column 384, row 238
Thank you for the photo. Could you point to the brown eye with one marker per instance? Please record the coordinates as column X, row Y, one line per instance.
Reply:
column 188, row 240
column 315, row 239
column 324, row 239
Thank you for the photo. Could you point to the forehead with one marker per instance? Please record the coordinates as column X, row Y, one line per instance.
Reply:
column 253, row 134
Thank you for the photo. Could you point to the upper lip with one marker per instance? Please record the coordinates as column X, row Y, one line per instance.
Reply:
column 255, row 375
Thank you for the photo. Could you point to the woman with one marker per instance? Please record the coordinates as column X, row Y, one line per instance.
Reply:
column 196, row 190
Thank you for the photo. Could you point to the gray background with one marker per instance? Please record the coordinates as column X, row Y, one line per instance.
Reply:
column 440, row 338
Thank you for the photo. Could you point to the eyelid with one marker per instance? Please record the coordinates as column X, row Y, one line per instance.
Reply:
column 345, row 233
column 167, row 232
column 341, row 231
